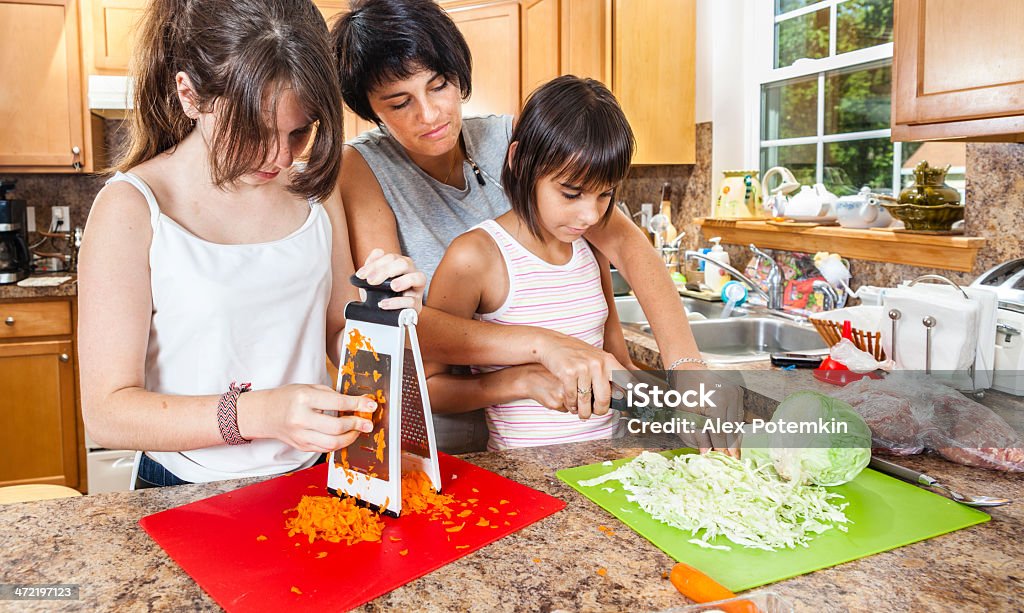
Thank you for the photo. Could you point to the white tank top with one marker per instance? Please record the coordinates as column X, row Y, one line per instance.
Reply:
column 247, row 313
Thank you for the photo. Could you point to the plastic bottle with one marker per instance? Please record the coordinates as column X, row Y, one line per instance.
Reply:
column 714, row 276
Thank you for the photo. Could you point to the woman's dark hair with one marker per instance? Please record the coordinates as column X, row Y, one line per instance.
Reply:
column 574, row 129
column 385, row 40
column 240, row 56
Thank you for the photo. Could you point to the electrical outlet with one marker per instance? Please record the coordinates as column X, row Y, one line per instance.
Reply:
column 30, row 218
column 60, row 218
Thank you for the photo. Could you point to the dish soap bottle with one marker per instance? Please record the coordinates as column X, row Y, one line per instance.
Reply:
column 714, row 276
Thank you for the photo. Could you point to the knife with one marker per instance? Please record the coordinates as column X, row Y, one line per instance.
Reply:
column 918, row 478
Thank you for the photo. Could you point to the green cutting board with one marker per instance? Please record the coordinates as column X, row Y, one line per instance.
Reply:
column 886, row 513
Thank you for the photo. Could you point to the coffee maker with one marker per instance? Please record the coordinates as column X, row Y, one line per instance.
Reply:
column 15, row 259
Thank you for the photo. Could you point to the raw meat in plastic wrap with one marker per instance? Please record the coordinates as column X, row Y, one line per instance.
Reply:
column 909, row 412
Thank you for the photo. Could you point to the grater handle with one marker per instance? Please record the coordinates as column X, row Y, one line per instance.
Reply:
column 375, row 293
column 369, row 310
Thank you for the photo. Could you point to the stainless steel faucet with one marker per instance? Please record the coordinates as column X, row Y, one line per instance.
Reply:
column 773, row 297
column 830, row 294
column 696, row 255
column 775, row 280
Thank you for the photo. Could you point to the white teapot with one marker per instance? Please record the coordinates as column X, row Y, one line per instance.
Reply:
column 810, row 204
column 862, row 210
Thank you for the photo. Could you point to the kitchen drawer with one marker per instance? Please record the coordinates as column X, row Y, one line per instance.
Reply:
column 20, row 319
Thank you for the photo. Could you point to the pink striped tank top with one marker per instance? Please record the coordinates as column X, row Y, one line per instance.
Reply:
column 567, row 299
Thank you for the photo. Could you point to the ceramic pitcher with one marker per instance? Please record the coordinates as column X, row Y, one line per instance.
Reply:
column 739, row 195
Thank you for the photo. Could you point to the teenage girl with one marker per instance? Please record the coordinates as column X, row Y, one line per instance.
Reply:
column 213, row 262
column 531, row 266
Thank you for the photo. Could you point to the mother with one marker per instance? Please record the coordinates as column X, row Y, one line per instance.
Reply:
column 427, row 175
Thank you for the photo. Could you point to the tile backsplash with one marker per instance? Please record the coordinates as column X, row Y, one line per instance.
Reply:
column 995, row 202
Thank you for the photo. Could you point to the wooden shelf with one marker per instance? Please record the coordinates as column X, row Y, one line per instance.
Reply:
column 930, row 251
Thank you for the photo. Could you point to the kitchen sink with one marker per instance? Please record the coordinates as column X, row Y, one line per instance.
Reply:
column 749, row 339
column 630, row 312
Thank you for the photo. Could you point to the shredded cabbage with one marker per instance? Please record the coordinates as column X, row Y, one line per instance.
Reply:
column 714, row 495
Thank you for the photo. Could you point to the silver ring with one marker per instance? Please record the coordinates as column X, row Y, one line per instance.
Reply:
column 583, row 392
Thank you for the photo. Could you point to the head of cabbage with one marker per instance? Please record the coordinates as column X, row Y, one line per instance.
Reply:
column 817, row 456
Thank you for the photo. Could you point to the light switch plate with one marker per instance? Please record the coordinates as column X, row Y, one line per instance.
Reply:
column 30, row 218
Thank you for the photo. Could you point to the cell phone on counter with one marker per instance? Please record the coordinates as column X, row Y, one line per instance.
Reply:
column 799, row 360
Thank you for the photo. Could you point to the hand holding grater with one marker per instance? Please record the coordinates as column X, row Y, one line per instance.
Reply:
column 377, row 362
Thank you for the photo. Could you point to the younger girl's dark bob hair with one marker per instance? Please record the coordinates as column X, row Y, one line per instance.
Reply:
column 574, row 129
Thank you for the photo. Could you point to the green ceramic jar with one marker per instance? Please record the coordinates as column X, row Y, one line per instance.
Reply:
column 929, row 187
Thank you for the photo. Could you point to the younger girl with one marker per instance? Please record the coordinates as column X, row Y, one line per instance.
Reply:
column 531, row 266
column 211, row 262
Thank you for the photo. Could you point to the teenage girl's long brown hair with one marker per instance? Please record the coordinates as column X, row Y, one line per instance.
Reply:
column 240, row 55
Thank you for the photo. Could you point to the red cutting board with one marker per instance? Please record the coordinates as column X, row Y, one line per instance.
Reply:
column 215, row 540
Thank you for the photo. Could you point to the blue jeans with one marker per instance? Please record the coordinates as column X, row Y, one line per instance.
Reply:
column 153, row 474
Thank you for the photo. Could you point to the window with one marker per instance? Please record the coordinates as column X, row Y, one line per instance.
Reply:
column 824, row 97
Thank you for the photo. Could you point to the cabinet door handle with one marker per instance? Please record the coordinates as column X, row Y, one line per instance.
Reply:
column 64, row 357
column 9, row 321
column 76, row 162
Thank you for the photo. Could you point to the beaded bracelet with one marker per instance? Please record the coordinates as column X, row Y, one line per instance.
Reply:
column 687, row 361
column 227, row 414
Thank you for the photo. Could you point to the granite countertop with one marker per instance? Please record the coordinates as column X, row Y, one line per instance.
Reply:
column 95, row 541
column 14, row 291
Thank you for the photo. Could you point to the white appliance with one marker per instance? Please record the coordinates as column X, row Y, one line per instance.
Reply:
column 1007, row 280
column 109, row 470
column 109, row 93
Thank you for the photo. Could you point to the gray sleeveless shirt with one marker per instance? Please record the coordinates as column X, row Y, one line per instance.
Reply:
column 430, row 214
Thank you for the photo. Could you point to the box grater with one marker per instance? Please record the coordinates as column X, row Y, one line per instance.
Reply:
column 381, row 358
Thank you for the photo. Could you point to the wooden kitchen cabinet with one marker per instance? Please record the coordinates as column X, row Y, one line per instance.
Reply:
column 42, row 107
column 107, row 30
column 39, row 425
column 654, row 77
column 642, row 49
column 958, row 70
column 565, row 37
column 492, row 33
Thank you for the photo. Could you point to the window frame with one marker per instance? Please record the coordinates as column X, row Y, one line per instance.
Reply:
column 762, row 63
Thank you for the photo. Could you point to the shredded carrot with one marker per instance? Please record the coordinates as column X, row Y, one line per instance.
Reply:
column 483, row 523
column 536, row 560
column 381, row 399
column 476, row 491
column 261, row 538
column 344, row 388
column 321, row 555
column 462, row 546
column 379, row 439
column 492, row 509
column 473, row 500
column 356, row 341
column 513, row 513
column 502, row 501
column 348, row 369
column 403, row 552
column 394, row 539
column 376, row 376
column 419, row 496
column 456, row 528
column 312, row 487
column 334, row 520
column 296, row 590
column 465, row 513
column 603, row 572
